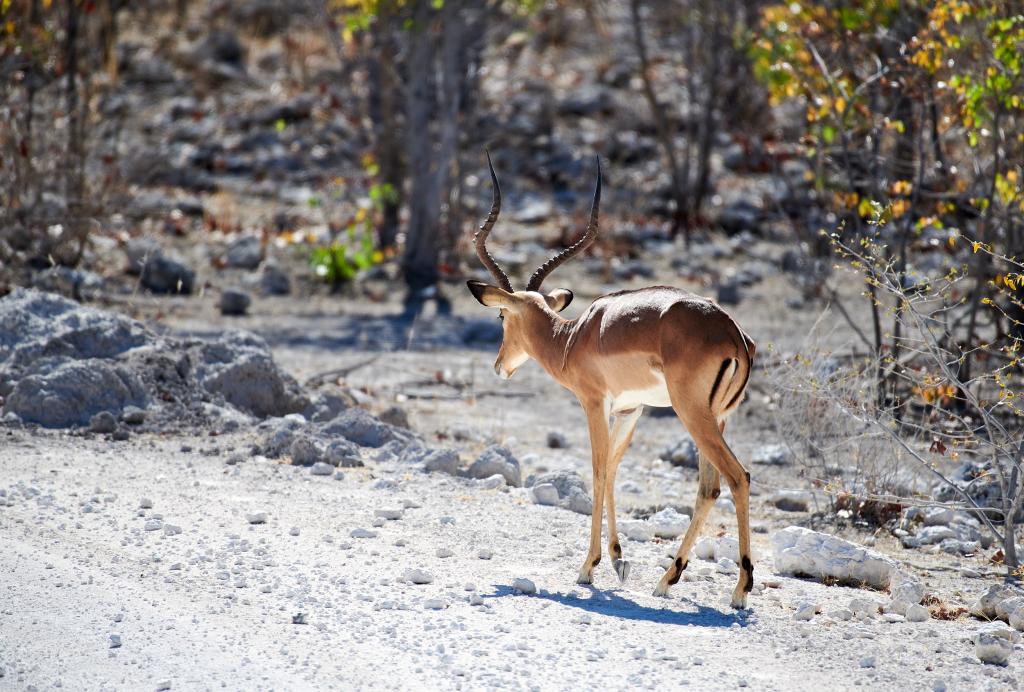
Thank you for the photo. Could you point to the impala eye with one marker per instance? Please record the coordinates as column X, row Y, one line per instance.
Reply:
column 501, row 317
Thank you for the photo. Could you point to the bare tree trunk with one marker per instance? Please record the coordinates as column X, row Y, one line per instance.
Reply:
column 419, row 263
column 665, row 135
column 74, row 173
column 388, row 136
column 707, row 131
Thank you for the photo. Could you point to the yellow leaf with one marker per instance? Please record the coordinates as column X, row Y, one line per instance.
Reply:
column 840, row 104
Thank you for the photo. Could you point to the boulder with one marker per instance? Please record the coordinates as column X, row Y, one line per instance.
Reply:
column 274, row 281
column 234, row 302
column 103, row 423
column 985, row 606
column 306, row 451
column 244, row 253
column 73, row 391
column 442, row 461
column 994, row 642
column 683, row 452
column 163, row 274
column 497, row 460
column 35, row 326
column 905, row 591
column 572, row 493
column 668, row 523
column 238, row 366
column 805, row 553
column 557, row 440
column 361, row 427
column 729, row 293
column 343, row 453
column 545, row 494
column 396, row 416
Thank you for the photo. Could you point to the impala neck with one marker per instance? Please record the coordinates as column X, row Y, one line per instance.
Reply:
column 546, row 341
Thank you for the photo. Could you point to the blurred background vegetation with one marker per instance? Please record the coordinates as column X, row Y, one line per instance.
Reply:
column 875, row 141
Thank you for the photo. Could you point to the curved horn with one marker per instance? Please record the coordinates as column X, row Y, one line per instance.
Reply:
column 589, row 236
column 480, row 237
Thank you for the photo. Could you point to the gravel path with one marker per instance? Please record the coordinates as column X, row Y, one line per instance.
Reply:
column 222, row 602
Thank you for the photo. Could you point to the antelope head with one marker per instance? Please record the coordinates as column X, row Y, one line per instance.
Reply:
column 526, row 315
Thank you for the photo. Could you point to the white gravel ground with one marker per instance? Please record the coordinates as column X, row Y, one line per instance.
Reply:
column 219, row 604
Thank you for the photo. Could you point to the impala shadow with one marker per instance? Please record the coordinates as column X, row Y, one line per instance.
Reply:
column 614, row 604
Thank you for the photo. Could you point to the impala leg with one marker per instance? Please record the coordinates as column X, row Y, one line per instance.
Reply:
column 597, row 423
column 708, row 490
column 621, row 435
column 707, row 433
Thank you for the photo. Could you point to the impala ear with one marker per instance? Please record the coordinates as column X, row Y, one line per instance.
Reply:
column 488, row 295
column 559, row 299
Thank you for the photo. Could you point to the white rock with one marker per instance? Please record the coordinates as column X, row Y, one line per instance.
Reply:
column 917, row 613
column 391, row 513
column 727, row 547
column 154, row 525
column 418, row 576
column 484, row 554
column 293, row 531
column 545, row 494
column 1017, row 619
column 444, row 552
column 985, row 606
column 475, row 599
column 378, row 522
column 905, row 590
column 994, row 642
column 668, row 523
column 704, row 549
column 523, row 585
column 805, row 611
column 492, row 482
column 867, row 662
column 256, row 517
column 800, row 551
column 362, row 533
column 929, row 535
column 727, row 566
column 115, row 641
column 938, row 516
column 321, row 468
column 863, row 608
column 435, row 604
column 145, row 503
column 636, row 529
column 1010, row 605
column 171, row 530
column 163, row 685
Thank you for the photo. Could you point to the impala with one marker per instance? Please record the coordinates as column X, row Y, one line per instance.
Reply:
column 656, row 346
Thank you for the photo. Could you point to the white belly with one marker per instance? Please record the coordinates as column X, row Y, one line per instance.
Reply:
column 655, row 395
